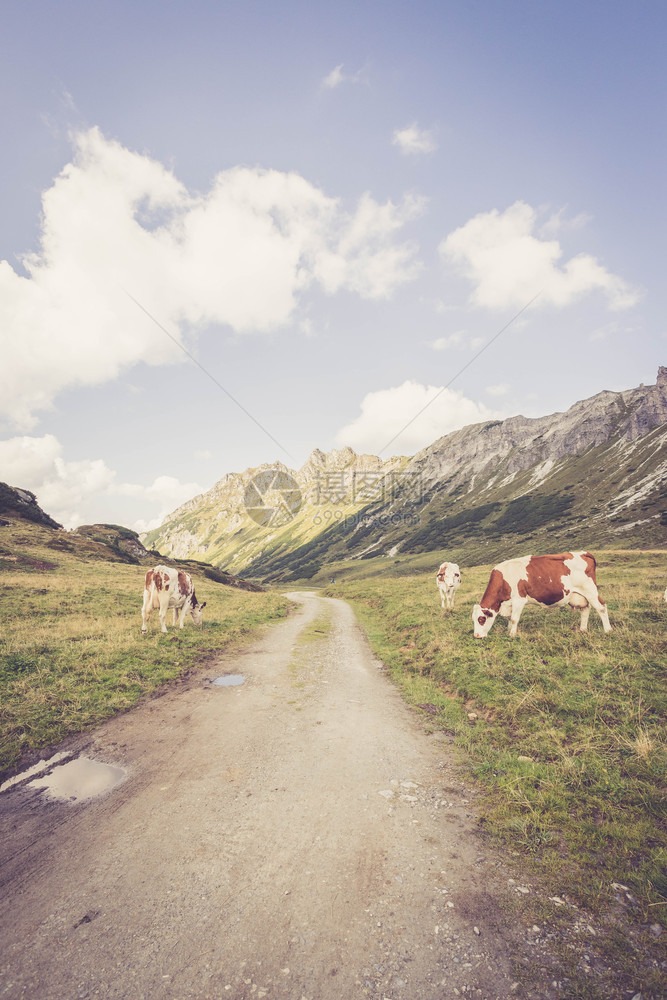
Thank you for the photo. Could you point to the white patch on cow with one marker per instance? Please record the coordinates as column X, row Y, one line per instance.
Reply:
column 578, row 591
column 170, row 597
column 448, row 580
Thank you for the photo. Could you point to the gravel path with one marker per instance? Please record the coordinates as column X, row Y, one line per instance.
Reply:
column 298, row 836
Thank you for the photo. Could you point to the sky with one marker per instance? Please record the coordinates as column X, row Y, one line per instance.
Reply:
column 234, row 232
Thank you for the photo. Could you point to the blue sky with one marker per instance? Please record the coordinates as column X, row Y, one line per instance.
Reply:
column 332, row 208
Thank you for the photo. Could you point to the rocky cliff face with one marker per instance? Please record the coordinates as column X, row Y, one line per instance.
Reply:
column 244, row 512
column 520, row 443
column 15, row 501
column 597, row 471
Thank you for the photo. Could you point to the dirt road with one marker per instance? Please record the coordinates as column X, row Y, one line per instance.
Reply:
column 299, row 836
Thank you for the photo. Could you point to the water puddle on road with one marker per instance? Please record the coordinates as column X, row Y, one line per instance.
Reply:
column 41, row 765
column 229, row 680
column 79, row 779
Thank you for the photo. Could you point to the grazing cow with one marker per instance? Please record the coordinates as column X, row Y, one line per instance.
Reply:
column 448, row 580
column 568, row 578
column 169, row 588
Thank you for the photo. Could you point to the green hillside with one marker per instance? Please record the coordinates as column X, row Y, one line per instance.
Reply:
column 71, row 648
column 611, row 495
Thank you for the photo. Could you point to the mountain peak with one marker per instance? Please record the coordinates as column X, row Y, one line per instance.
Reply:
column 590, row 474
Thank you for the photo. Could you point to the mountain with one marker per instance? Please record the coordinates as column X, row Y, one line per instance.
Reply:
column 594, row 475
column 89, row 542
column 23, row 503
column 271, row 509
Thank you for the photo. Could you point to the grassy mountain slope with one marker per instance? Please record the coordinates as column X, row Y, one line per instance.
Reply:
column 594, row 475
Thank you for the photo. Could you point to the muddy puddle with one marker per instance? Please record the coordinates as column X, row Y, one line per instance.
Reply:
column 37, row 768
column 79, row 779
column 229, row 680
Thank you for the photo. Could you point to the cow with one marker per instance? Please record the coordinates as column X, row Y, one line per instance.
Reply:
column 553, row 580
column 448, row 580
column 170, row 588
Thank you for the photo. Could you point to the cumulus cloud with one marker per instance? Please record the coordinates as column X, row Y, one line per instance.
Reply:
column 68, row 490
column 414, row 141
column 508, row 265
column 117, row 222
column 61, row 488
column 165, row 492
column 389, row 412
column 456, row 341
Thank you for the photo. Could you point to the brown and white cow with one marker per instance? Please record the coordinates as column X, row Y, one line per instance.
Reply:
column 568, row 578
column 167, row 588
column 448, row 579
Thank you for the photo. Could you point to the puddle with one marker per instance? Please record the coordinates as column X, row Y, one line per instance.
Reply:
column 41, row 765
column 79, row 779
column 229, row 680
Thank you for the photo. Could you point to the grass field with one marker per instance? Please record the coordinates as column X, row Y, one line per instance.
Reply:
column 71, row 648
column 564, row 730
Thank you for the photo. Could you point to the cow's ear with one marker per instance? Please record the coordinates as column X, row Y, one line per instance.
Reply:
column 203, row 605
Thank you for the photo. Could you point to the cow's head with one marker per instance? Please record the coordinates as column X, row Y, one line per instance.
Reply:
column 449, row 575
column 196, row 610
column 482, row 620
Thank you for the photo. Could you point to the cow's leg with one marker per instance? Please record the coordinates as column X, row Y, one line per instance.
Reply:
column 145, row 612
column 595, row 601
column 173, row 617
column 450, row 600
column 164, row 605
column 601, row 609
column 184, row 610
column 515, row 614
column 583, row 621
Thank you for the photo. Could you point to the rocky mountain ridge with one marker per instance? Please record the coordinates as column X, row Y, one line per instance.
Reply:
column 521, row 442
column 598, row 470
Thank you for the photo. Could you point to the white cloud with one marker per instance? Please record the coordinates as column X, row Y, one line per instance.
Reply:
column 386, row 413
column 498, row 390
column 334, row 78
column 508, row 265
column 455, row 340
column 165, row 492
column 558, row 222
column 61, row 487
column 117, row 222
column 68, row 491
column 414, row 141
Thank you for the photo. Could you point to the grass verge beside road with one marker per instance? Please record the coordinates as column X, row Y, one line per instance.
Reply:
column 71, row 649
column 564, row 730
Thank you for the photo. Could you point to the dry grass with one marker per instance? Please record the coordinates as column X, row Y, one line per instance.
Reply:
column 71, row 648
